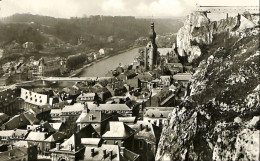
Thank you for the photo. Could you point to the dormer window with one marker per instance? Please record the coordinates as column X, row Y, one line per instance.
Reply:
column 90, row 117
column 161, row 115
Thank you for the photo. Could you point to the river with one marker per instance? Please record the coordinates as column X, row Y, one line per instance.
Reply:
column 99, row 69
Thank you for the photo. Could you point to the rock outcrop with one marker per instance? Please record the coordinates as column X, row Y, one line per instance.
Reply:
column 199, row 30
column 219, row 120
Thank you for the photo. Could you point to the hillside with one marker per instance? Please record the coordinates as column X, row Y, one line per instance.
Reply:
column 220, row 118
column 62, row 37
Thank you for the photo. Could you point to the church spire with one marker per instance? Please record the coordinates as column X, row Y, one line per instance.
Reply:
column 152, row 34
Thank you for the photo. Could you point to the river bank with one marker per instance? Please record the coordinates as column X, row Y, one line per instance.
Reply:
column 79, row 71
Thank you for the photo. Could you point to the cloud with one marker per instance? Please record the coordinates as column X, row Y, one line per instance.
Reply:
column 73, row 8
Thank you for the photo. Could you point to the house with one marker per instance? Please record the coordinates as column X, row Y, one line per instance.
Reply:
column 19, row 121
column 119, row 134
column 97, row 119
column 165, row 53
column 109, row 153
column 19, row 153
column 86, row 97
column 69, row 115
column 134, row 83
column 37, row 138
column 51, row 142
column 71, row 149
column 41, row 112
column 127, row 120
column 12, row 136
column 146, row 139
column 165, row 80
column 122, row 109
column 72, row 112
column 55, row 115
column 175, row 68
column 102, row 92
column 116, row 88
column 9, row 103
column 182, row 78
column 33, row 99
column 29, row 148
column 157, row 115
column 57, row 126
column 5, row 80
column 129, row 74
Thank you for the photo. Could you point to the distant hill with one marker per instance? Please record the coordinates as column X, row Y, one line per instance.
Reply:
column 93, row 27
column 63, row 37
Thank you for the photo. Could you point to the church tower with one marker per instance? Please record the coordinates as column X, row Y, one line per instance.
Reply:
column 151, row 51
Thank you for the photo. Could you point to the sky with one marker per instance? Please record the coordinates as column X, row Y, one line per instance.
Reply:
column 138, row 8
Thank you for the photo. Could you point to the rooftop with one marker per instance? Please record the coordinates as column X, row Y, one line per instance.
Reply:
column 111, row 107
column 182, row 76
column 37, row 136
column 73, row 108
column 118, row 130
column 92, row 116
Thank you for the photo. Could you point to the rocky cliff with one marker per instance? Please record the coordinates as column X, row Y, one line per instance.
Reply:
column 220, row 120
column 199, row 30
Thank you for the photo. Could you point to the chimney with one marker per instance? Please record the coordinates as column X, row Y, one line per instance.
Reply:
column 122, row 143
column 111, row 154
column 92, row 152
column 122, row 151
column 70, row 147
column 58, row 146
column 146, row 128
column 104, row 153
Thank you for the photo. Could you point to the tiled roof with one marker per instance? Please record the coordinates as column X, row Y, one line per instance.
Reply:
column 73, row 141
column 56, row 126
column 31, row 118
column 90, row 141
column 182, row 76
column 98, row 151
column 36, row 136
column 157, row 113
column 146, row 130
column 12, row 154
column 16, row 122
column 6, row 133
column 23, row 143
column 92, row 116
column 127, row 119
column 116, row 155
column 118, row 130
column 111, row 107
column 56, row 111
column 73, row 108
column 55, row 137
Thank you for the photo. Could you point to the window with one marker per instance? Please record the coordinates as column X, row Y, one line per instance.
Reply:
column 149, row 147
column 141, row 144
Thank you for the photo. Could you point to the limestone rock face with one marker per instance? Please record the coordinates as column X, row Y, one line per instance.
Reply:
column 199, row 30
column 219, row 119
